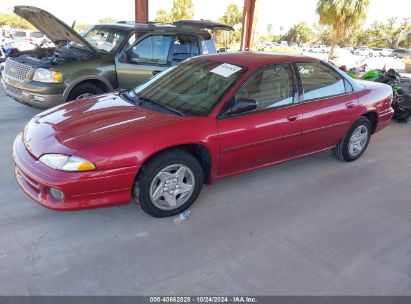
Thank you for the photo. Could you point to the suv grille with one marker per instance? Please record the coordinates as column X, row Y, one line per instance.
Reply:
column 16, row 70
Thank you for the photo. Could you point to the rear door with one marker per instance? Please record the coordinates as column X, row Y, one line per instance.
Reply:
column 329, row 107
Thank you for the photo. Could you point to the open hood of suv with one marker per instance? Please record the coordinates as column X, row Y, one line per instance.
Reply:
column 204, row 24
column 55, row 29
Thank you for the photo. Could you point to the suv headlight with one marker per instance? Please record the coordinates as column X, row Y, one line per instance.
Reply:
column 44, row 75
column 66, row 163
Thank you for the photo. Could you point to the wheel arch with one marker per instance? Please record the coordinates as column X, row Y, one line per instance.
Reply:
column 199, row 151
column 373, row 118
column 99, row 81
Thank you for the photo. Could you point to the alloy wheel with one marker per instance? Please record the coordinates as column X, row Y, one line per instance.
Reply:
column 172, row 187
column 358, row 140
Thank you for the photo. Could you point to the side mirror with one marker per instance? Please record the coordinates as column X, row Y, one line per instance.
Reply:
column 242, row 105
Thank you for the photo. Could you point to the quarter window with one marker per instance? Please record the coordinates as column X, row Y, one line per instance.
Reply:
column 319, row 81
column 152, row 49
column 271, row 87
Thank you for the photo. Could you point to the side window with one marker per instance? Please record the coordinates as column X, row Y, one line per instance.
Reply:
column 184, row 47
column 320, row 81
column 207, row 45
column 152, row 49
column 271, row 87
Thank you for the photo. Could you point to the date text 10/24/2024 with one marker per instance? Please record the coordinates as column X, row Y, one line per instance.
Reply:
column 204, row 299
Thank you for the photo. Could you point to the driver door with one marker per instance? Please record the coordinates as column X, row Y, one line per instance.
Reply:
column 147, row 57
column 268, row 134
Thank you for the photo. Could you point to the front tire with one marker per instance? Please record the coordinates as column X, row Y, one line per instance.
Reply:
column 169, row 183
column 84, row 90
column 354, row 143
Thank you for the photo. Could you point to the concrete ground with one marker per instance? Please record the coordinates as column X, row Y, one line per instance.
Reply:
column 313, row 226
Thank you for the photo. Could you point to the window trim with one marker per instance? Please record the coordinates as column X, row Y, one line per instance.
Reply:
column 296, row 97
column 301, row 88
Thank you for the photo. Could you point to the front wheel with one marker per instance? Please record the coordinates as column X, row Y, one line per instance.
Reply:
column 84, row 90
column 355, row 141
column 169, row 183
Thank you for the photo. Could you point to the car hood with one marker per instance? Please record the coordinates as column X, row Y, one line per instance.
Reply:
column 93, row 125
column 55, row 29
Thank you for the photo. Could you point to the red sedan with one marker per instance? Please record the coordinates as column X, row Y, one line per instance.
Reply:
column 209, row 117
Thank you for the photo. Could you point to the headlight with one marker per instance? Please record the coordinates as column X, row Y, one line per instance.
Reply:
column 44, row 75
column 66, row 163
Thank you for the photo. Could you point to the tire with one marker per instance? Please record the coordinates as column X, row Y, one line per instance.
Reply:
column 86, row 89
column 342, row 150
column 395, row 56
column 371, row 55
column 167, row 164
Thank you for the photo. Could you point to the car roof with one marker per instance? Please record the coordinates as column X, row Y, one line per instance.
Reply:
column 255, row 60
column 152, row 26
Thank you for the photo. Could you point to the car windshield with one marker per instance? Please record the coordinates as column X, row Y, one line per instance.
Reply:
column 192, row 88
column 103, row 39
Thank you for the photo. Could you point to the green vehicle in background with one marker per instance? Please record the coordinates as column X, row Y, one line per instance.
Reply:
column 102, row 58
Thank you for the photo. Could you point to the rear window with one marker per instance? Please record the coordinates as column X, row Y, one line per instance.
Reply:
column 207, row 45
column 320, row 81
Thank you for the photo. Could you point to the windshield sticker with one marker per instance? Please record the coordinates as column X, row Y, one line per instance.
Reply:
column 225, row 70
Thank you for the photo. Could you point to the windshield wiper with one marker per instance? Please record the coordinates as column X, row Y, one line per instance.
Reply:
column 157, row 104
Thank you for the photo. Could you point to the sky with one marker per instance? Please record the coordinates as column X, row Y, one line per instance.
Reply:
column 280, row 13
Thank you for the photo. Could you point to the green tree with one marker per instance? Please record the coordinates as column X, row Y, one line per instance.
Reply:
column 341, row 15
column 15, row 21
column 162, row 16
column 106, row 20
column 233, row 16
column 182, row 9
column 322, row 34
column 300, row 33
column 81, row 27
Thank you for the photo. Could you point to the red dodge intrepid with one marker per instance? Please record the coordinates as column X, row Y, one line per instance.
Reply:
column 208, row 118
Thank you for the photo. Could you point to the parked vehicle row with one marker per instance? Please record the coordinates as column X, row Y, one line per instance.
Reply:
column 203, row 119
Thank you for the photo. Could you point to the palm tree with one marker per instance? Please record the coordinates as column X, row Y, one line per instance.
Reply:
column 341, row 15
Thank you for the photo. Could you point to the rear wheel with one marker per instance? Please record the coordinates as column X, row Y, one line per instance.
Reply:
column 84, row 90
column 169, row 183
column 355, row 142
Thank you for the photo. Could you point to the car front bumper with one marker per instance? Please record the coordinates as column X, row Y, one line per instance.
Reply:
column 34, row 99
column 82, row 190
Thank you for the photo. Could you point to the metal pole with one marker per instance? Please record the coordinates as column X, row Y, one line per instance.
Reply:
column 248, row 24
column 141, row 10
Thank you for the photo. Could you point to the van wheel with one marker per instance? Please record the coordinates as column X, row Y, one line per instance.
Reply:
column 84, row 90
column 169, row 183
column 355, row 142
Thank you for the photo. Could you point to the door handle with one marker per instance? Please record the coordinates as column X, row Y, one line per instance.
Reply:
column 293, row 118
column 155, row 72
column 349, row 105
